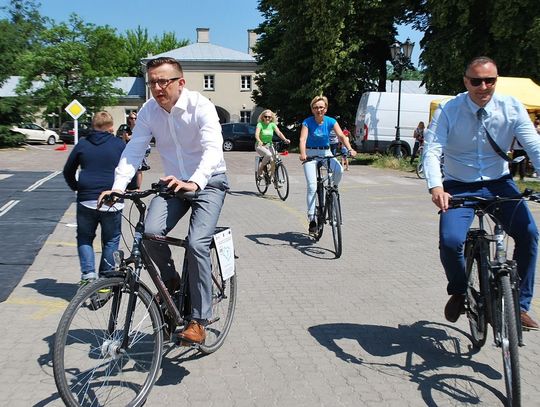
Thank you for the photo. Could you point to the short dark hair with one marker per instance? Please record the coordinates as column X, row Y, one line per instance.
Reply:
column 479, row 61
column 154, row 63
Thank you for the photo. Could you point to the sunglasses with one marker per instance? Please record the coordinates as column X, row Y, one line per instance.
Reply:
column 478, row 81
column 267, row 117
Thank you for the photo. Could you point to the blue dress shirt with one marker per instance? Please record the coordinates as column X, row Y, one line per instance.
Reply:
column 456, row 132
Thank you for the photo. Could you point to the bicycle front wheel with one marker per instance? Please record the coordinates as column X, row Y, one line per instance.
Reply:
column 508, row 337
column 334, row 215
column 476, row 311
column 281, row 180
column 92, row 367
column 223, row 307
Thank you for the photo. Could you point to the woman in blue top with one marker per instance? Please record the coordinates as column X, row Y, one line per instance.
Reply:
column 315, row 141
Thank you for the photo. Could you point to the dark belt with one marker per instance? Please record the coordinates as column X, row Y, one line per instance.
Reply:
column 320, row 148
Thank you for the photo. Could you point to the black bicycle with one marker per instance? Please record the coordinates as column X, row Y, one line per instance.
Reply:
column 274, row 172
column 328, row 204
column 492, row 295
column 109, row 342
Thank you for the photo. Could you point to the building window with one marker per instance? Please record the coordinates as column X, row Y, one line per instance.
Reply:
column 245, row 82
column 209, row 82
column 245, row 116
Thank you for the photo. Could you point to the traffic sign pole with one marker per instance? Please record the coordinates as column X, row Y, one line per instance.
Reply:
column 75, row 110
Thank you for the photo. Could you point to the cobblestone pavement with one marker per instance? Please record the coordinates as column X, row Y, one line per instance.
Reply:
column 363, row 330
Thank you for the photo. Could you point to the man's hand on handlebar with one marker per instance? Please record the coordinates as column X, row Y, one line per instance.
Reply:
column 105, row 198
column 176, row 185
column 440, row 198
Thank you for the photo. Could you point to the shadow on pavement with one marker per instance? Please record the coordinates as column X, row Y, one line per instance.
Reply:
column 243, row 193
column 299, row 241
column 51, row 288
column 426, row 343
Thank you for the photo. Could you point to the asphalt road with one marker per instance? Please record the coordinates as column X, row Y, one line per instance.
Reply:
column 31, row 204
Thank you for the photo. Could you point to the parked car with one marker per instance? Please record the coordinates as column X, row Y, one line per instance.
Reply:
column 238, row 136
column 67, row 132
column 33, row 132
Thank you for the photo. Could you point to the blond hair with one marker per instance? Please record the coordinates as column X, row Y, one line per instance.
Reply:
column 318, row 99
column 266, row 112
column 102, row 121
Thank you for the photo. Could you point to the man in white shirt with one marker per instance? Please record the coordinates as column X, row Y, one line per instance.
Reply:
column 188, row 137
column 473, row 167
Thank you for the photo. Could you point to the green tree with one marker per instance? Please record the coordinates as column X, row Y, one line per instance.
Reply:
column 138, row 45
column 459, row 30
column 19, row 31
column 337, row 47
column 74, row 60
column 167, row 42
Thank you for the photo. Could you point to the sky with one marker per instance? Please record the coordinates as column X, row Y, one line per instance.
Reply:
column 228, row 20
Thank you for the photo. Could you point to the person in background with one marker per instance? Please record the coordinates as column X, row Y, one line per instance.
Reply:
column 266, row 126
column 136, row 182
column 315, row 141
column 188, row 137
column 343, row 150
column 96, row 156
column 418, row 135
column 460, row 130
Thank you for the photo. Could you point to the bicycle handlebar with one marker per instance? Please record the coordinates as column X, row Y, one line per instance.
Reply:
column 157, row 188
column 479, row 201
column 316, row 157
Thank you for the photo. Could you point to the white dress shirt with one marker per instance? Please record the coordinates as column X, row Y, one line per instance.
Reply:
column 188, row 139
column 456, row 132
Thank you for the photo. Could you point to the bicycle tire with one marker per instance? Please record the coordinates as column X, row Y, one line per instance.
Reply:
column 89, row 366
column 508, row 331
column 261, row 184
column 223, row 307
column 334, row 215
column 281, row 181
column 420, row 169
column 475, row 294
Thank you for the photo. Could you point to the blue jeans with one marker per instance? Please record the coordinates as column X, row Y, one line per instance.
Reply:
column 164, row 214
column 310, row 172
column 517, row 221
column 87, row 223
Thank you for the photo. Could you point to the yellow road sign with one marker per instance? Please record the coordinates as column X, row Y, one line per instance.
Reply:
column 75, row 109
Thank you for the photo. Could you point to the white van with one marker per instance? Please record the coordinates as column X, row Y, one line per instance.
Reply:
column 376, row 120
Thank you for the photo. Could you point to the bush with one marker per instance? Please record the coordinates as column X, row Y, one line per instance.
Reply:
column 9, row 138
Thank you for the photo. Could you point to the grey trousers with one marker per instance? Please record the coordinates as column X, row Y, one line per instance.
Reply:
column 164, row 214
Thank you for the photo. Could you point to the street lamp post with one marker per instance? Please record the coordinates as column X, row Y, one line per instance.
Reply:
column 401, row 58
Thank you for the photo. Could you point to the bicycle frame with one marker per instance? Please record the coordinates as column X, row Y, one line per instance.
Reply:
column 140, row 257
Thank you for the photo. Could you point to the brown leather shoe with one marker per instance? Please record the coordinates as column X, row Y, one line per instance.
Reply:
column 527, row 322
column 194, row 333
column 454, row 307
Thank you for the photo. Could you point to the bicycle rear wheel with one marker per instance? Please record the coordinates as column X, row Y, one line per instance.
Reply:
column 507, row 330
column 261, row 184
column 223, row 307
column 420, row 169
column 281, row 181
column 334, row 215
column 475, row 299
column 91, row 367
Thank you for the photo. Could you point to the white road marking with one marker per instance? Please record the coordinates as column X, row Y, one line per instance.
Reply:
column 4, row 209
column 37, row 184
